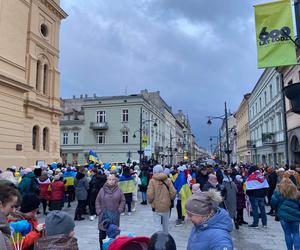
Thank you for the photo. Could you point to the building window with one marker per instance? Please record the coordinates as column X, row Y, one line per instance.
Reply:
column 75, row 137
column 279, row 122
column 100, row 116
column 75, row 158
column 278, row 84
column 125, row 137
column 260, row 106
column 100, row 138
column 45, row 80
column 65, row 138
column 125, row 115
column 45, row 139
column 38, row 75
column 271, row 93
column 35, row 138
column 265, row 97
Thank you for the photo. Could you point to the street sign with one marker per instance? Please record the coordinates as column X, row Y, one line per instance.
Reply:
column 145, row 141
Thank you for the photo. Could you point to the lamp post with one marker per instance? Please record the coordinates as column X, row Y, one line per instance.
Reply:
column 140, row 130
column 209, row 122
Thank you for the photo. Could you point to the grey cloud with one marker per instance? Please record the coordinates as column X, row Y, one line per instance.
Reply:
column 197, row 53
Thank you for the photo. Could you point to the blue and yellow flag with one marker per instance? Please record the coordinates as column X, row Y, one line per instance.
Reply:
column 93, row 157
column 182, row 187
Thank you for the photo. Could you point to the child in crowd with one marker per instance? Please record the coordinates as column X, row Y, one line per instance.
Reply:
column 59, row 233
column 112, row 232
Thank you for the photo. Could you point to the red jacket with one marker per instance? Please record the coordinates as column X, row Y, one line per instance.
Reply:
column 33, row 235
column 57, row 190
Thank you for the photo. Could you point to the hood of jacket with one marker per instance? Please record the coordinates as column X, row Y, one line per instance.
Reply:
column 60, row 241
column 29, row 175
column 160, row 177
column 221, row 220
column 110, row 189
column 80, row 176
column 44, row 179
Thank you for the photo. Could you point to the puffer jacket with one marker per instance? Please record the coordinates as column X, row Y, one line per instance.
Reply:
column 158, row 195
column 4, row 234
column 57, row 191
column 287, row 209
column 58, row 242
column 81, row 187
column 33, row 235
column 44, row 182
column 213, row 234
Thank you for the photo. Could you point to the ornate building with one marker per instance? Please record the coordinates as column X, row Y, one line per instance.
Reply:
column 29, row 81
column 242, row 129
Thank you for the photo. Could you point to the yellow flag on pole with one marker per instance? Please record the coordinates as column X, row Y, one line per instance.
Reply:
column 274, row 26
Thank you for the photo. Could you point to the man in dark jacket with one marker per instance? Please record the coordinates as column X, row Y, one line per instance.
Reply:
column 202, row 176
column 272, row 180
column 96, row 183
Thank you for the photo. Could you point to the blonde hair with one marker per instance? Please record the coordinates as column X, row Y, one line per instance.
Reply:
column 288, row 189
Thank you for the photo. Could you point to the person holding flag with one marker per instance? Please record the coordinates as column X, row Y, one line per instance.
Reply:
column 257, row 188
column 93, row 157
column 183, row 193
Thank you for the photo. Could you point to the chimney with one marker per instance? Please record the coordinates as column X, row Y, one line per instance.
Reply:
column 81, row 96
column 95, row 96
column 86, row 96
column 74, row 96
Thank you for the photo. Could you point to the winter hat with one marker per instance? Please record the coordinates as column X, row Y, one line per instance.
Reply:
column 27, row 171
column 29, row 203
column 196, row 188
column 58, row 222
column 238, row 178
column 113, row 231
column 157, row 169
column 167, row 171
column 203, row 203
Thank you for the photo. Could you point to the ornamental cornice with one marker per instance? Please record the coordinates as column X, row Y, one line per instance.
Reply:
column 55, row 8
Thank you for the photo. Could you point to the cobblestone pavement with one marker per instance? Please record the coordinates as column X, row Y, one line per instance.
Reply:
column 141, row 223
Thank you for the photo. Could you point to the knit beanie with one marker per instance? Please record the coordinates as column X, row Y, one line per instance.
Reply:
column 58, row 222
column 203, row 203
column 29, row 203
column 157, row 169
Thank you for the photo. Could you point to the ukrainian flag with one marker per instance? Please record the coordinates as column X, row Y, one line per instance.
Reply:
column 182, row 187
column 126, row 184
column 93, row 157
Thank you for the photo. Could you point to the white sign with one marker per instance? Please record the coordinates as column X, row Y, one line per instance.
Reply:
column 147, row 151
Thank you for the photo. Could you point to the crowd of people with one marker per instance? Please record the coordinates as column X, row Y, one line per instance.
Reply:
column 214, row 198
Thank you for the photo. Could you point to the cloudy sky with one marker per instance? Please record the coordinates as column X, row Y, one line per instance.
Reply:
column 197, row 53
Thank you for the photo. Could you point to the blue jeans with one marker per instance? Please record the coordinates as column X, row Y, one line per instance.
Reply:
column 255, row 204
column 144, row 196
column 291, row 234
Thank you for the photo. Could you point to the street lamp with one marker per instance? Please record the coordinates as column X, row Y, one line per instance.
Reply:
column 140, row 130
column 209, row 122
column 171, row 151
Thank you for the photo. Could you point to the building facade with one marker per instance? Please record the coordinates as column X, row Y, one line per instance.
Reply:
column 266, row 120
column 111, row 127
column 29, row 80
column 291, row 76
column 242, row 130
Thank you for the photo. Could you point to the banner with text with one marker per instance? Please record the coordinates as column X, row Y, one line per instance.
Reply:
column 274, row 26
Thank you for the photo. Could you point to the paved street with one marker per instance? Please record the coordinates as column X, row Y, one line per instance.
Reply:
column 140, row 223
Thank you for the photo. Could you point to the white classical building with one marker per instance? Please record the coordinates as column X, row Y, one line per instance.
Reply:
column 110, row 126
column 266, row 120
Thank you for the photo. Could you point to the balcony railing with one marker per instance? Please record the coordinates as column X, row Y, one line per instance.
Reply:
column 268, row 138
column 99, row 125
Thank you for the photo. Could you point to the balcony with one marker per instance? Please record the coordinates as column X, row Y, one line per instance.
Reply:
column 268, row 139
column 99, row 125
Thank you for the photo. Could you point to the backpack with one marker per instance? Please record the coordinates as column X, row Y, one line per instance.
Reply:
column 144, row 181
column 34, row 186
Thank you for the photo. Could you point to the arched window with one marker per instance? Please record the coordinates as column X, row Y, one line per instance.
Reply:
column 35, row 138
column 38, row 75
column 46, row 139
column 45, row 80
